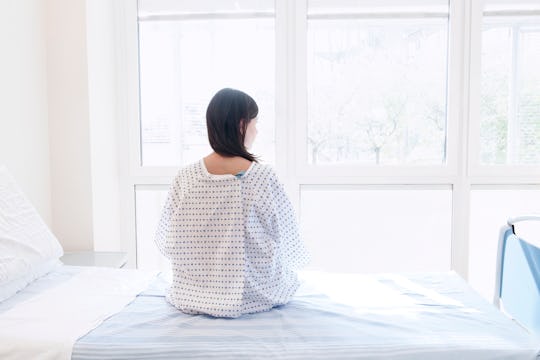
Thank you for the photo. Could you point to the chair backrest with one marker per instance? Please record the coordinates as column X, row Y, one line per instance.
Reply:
column 517, row 286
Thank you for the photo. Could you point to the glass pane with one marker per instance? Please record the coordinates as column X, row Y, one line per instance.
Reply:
column 490, row 208
column 510, row 90
column 183, row 63
column 149, row 201
column 377, row 230
column 377, row 87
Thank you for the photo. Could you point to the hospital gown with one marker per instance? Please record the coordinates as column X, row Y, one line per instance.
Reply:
column 232, row 241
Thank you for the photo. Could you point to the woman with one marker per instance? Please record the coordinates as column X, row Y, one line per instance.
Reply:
column 227, row 226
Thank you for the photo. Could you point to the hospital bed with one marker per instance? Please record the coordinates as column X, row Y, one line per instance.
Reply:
column 124, row 315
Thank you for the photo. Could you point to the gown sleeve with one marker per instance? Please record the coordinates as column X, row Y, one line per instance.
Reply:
column 292, row 250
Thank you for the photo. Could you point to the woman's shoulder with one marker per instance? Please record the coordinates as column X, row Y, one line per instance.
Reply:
column 189, row 173
column 263, row 172
column 259, row 168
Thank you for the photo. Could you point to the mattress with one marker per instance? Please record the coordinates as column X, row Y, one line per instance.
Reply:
column 332, row 316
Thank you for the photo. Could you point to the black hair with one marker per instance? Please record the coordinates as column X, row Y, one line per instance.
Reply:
column 227, row 117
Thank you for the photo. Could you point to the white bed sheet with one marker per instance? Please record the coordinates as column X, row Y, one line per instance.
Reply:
column 46, row 326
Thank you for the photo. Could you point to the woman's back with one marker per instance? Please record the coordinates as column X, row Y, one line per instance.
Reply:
column 233, row 241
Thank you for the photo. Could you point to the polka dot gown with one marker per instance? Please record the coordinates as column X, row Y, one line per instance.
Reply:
column 232, row 241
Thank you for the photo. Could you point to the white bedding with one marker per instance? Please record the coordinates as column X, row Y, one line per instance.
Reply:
column 46, row 326
column 332, row 316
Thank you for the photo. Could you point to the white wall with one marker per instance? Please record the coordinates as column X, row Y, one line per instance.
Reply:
column 82, row 101
column 69, row 128
column 104, row 132
column 24, row 137
column 58, row 123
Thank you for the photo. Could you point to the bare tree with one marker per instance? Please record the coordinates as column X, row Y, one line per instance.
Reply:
column 381, row 130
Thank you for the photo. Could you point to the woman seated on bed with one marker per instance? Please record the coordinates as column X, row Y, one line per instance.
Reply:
column 227, row 226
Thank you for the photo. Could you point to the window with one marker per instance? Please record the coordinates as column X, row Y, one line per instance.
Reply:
column 510, row 91
column 392, row 124
column 504, row 127
column 187, row 51
column 376, row 121
column 376, row 228
column 377, row 80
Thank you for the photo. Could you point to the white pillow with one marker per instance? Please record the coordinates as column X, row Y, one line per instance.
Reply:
column 27, row 247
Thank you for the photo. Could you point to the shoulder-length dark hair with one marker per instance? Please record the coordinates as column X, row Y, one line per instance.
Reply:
column 227, row 117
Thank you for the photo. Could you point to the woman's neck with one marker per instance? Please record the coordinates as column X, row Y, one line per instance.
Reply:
column 220, row 165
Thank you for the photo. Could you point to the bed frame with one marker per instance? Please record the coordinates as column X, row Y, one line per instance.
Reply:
column 517, row 284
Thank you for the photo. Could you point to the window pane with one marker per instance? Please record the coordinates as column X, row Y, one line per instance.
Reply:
column 377, row 230
column 149, row 201
column 510, row 92
column 183, row 63
column 377, row 84
column 490, row 208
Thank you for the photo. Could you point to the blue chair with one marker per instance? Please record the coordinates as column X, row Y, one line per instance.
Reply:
column 517, row 286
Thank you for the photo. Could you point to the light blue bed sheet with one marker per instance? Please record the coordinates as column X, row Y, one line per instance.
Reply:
column 417, row 316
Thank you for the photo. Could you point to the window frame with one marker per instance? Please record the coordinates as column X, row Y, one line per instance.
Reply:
column 461, row 173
